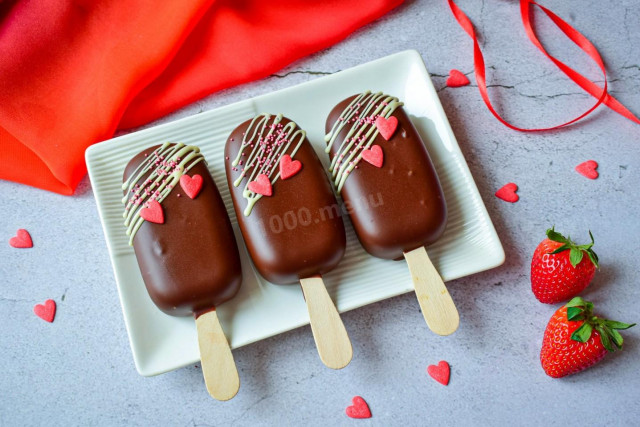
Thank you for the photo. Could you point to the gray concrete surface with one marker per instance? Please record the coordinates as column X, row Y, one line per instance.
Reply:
column 79, row 370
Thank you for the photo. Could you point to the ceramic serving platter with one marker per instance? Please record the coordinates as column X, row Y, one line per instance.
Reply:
column 470, row 244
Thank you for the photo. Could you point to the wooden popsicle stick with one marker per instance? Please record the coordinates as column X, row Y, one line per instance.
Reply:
column 218, row 366
column 438, row 308
column 332, row 341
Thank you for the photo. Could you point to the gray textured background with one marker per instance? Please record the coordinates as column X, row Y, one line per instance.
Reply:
column 79, row 370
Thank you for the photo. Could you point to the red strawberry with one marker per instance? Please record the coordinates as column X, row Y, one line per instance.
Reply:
column 575, row 339
column 559, row 269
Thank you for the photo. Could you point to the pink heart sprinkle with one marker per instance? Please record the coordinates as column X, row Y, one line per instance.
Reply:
column 21, row 240
column 440, row 373
column 387, row 127
column 359, row 409
column 191, row 185
column 153, row 212
column 374, row 156
column 288, row 167
column 261, row 185
column 457, row 79
column 588, row 169
column 508, row 193
column 47, row 311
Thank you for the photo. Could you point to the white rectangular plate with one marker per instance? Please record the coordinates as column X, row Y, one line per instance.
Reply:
column 161, row 343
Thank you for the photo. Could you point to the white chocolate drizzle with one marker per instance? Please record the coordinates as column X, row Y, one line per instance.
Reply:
column 266, row 140
column 360, row 115
column 165, row 165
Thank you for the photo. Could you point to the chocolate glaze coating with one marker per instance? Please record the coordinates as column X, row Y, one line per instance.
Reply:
column 405, row 207
column 298, row 231
column 190, row 264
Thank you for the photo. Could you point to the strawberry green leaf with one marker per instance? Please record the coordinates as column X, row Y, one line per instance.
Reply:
column 604, row 337
column 552, row 234
column 583, row 333
column 562, row 248
column 618, row 325
column 575, row 256
column 593, row 257
column 575, row 313
column 615, row 336
column 576, row 302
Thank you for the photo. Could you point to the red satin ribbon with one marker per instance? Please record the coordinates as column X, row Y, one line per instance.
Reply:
column 574, row 35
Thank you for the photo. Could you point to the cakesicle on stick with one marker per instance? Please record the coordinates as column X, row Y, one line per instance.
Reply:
column 185, row 247
column 382, row 170
column 289, row 219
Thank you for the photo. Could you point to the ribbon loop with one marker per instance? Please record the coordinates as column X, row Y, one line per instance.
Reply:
column 601, row 93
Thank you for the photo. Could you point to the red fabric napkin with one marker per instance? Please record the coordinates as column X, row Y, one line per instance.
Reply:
column 71, row 73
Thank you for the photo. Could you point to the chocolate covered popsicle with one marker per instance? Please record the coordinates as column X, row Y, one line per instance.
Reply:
column 289, row 219
column 382, row 170
column 185, row 247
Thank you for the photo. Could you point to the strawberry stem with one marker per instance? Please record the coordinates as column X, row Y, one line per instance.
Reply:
column 580, row 310
column 576, row 252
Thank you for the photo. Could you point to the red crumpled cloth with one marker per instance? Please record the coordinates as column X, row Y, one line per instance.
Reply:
column 72, row 72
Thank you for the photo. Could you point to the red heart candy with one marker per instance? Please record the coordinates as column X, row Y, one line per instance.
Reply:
column 588, row 169
column 191, row 185
column 374, row 156
column 153, row 212
column 47, row 311
column 288, row 167
column 457, row 79
column 508, row 193
column 21, row 240
column 261, row 185
column 440, row 373
column 387, row 127
column 359, row 409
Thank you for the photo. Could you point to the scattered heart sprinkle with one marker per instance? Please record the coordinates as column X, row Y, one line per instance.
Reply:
column 191, row 185
column 46, row 311
column 508, row 193
column 387, row 127
column 373, row 156
column 359, row 409
column 288, row 167
column 457, row 79
column 261, row 185
column 153, row 212
column 440, row 373
column 21, row 240
column 588, row 169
